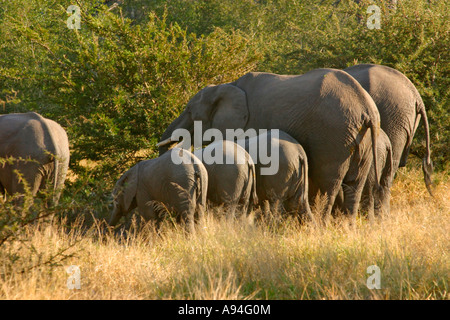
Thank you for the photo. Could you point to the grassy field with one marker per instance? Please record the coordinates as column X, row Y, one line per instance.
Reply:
column 239, row 259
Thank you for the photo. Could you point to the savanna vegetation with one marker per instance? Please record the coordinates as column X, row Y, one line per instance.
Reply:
column 118, row 81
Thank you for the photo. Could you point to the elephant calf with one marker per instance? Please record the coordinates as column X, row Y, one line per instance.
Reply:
column 176, row 179
column 231, row 175
column 40, row 148
column 289, row 184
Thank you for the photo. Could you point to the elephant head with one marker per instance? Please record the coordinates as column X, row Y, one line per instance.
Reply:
column 124, row 195
column 221, row 106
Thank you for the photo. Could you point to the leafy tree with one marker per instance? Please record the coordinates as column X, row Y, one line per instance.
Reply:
column 118, row 81
column 113, row 85
column 297, row 36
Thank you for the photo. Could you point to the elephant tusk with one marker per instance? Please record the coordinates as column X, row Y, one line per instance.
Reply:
column 164, row 142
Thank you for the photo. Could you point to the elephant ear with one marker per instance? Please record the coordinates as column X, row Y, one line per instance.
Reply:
column 230, row 108
column 128, row 185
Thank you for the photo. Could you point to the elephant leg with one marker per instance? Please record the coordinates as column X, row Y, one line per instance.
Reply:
column 188, row 220
column 199, row 214
column 231, row 208
column 339, row 201
column 295, row 206
column 352, row 197
column 149, row 212
column 382, row 202
column 245, row 208
column 265, row 207
column 249, row 208
column 30, row 174
column 327, row 180
column 25, row 180
column 62, row 169
column 187, row 213
column 275, row 206
column 354, row 182
column 292, row 205
column 368, row 200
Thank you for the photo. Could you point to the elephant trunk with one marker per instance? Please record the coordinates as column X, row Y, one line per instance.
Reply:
column 427, row 164
column 115, row 216
column 182, row 122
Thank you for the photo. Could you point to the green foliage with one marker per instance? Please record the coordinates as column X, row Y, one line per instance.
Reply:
column 114, row 85
column 414, row 38
column 297, row 36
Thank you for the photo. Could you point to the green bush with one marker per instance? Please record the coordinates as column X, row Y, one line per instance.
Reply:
column 113, row 85
column 116, row 83
column 297, row 36
column 414, row 38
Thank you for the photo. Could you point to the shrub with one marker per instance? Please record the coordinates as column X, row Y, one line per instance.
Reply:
column 117, row 82
column 113, row 84
column 413, row 38
column 297, row 36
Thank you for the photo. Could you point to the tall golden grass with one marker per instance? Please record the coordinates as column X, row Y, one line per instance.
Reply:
column 241, row 259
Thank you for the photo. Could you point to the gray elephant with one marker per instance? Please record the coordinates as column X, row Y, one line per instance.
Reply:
column 231, row 175
column 176, row 179
column 400, row 106
column 376, row 195
column 376, row 200
column 289, row 183
column 40, row 148
column 325, row 110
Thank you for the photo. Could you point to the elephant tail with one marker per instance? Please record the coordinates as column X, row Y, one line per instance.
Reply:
column 200, row 187
column 253, row 194
column 427, row 164
column 253, row 198
column 387, row 173
column 56, row 175
column 54, row 154
column 304, row 185
column 373, row 131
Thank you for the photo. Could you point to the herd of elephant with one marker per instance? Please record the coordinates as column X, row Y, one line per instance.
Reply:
column 339, row 133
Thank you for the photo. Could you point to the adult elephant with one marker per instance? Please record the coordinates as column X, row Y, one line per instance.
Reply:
column 37, row 148
column 400, row 106
column 325, row 110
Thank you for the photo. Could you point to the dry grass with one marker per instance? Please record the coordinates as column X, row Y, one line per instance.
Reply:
column 238, row 259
